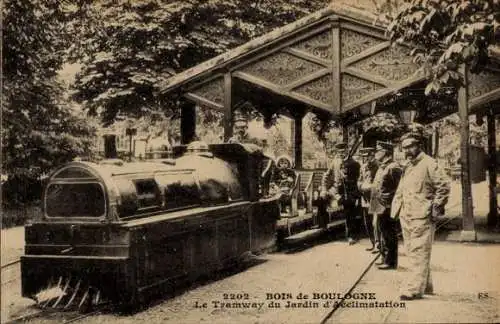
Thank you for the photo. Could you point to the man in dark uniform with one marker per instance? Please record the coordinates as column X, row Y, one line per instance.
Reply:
column 328, row 190
column 348, row 195
column 240, row 128
column 383, row 190
column 369, row 167
column 253, row 145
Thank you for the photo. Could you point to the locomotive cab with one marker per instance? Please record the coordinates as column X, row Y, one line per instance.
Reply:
column 117, row 230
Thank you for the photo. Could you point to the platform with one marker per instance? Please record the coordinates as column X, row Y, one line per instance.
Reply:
column 313, row 233
column 466, row 288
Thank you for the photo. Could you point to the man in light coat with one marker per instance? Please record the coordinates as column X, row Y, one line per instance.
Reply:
column 419, row 201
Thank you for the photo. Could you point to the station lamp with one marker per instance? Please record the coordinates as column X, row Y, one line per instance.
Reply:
column 409, row 113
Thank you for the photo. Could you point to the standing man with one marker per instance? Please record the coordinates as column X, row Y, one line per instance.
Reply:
column 328, row 187
column 348, row 195
column 241, row 135
column 383, row 190
column 420, row 199
column 369, row 168
column 240, row 127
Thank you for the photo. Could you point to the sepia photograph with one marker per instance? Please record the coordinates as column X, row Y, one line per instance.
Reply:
column 250, row 162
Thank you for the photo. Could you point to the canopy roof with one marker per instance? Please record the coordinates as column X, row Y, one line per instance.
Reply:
column 334, row 61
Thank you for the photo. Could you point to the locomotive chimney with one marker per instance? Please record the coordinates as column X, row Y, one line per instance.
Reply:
column 110, row 147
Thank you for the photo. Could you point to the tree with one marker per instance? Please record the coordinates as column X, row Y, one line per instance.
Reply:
column 448, row 33
column 39, row 128
column 136, row 45
column 382, row 126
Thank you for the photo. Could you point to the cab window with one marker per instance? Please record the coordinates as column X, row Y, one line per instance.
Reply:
column 148, row 194
column 75, row 200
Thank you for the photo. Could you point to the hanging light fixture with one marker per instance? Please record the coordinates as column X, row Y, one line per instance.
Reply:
column 368, row 109
column 409, row 113
column 407, row 116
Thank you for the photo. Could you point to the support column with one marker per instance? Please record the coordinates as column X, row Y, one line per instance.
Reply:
column 188, row 122
column 297, row 141
column 492, row 170
column 345, row 133
column 228, row 107
column 435, row 142
column 468, row 232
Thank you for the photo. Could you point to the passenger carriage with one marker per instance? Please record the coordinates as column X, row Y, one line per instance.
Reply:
column 298, row 213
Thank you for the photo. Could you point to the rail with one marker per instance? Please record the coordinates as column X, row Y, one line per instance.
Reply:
column 7, row 275
column 4, row 266
column 337, row 305
column 358, row 280
column 67, row 317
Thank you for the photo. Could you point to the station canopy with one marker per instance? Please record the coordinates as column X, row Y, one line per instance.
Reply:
column 337, row 61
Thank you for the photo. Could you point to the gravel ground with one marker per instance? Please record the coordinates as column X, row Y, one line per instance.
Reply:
column 12, row 248
column 460, row 273
column 323, row 268
column 12, row 244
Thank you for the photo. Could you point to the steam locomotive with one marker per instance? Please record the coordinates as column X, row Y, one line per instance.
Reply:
column 119, row 231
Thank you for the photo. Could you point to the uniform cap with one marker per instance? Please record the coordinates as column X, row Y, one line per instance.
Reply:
column 365, row 151
column 410, row 139
column 340, row 146
column 239, row 118
column 409, row 142
column 387, row 146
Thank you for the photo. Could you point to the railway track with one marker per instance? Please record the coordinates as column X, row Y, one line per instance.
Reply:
column 9, row 264
column 10, row 272
column 334, row 309
column 332, row 312
column 389, row 311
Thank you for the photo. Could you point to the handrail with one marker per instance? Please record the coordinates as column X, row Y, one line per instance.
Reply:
column 310, row 182
column 309, row 191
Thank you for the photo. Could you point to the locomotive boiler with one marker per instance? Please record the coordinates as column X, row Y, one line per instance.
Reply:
column 119, row 232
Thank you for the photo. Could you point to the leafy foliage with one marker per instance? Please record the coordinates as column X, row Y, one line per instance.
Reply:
column 449, row 134
column 447, row 34
column 135, row 45
column 383, row 125
column 39, row 128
